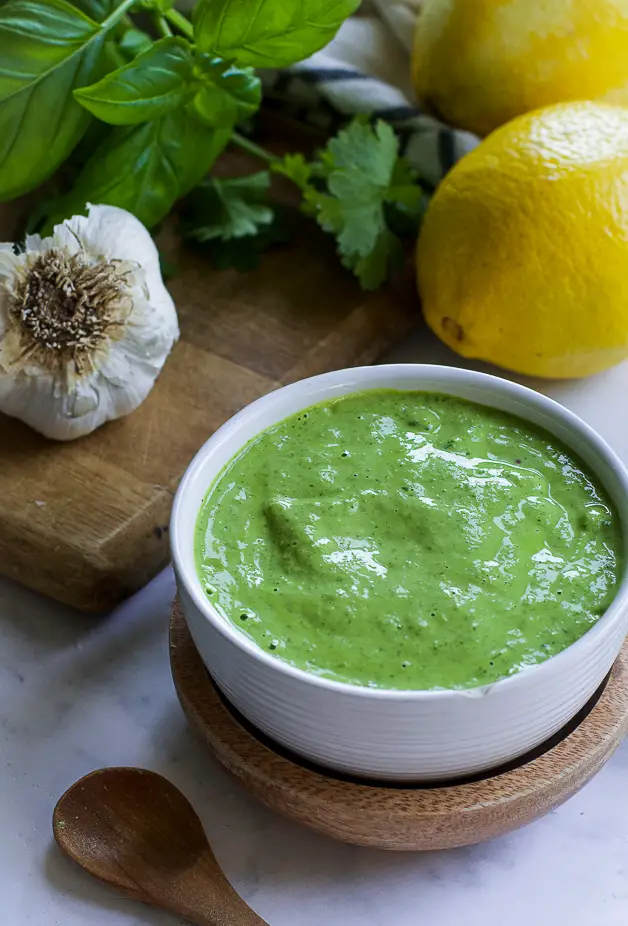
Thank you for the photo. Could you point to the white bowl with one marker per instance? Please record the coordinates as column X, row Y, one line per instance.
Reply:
column 397, row 735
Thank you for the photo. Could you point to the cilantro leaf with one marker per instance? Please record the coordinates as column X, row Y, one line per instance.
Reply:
column 366, row 150
column 325, row 209
column 374, row 269
column 361, row 209
column 229, row 209
column 245, row 254
column 295, row 168
column 361, row 191
column 404, row 192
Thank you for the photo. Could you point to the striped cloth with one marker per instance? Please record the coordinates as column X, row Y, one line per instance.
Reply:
column 366, row 69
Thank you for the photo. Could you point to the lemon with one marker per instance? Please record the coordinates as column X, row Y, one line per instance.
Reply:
column 523, row 254
column 480, row 63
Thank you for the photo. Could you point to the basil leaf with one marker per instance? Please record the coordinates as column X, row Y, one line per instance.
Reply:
column 49, row 47
column 114, row 58
column 96, row 9
column 155, row 82
column 134, row 42
column 229, row 94
column 268, row 33
column 37, row 38
column 145, row 168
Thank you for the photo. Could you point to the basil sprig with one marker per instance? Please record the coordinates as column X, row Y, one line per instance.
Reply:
column 162, row 96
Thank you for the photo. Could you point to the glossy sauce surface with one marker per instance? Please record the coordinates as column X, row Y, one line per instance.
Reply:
column 408, row 540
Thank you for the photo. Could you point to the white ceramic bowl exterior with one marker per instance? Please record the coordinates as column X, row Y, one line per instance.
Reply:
column 397, row 735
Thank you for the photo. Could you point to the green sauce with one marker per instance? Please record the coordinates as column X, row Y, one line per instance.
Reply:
column 408, row 540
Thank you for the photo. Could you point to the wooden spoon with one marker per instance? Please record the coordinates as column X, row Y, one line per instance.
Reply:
column 136, row 832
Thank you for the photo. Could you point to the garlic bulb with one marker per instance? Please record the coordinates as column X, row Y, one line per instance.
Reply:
column 86, row 323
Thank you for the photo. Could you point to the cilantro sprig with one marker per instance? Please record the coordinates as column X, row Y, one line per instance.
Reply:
column 353, row 189
column 357, row 189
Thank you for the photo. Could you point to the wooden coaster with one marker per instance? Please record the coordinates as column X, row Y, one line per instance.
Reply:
column 402, row 817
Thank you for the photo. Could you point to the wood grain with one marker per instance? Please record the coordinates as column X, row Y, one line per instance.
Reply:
column 401, row 818
column 87, row 522
column 134, row 831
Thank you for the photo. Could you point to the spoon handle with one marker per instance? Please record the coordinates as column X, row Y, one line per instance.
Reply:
column 213, row 914
column 215, row 903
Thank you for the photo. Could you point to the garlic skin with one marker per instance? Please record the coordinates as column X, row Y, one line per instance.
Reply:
column 86, row 323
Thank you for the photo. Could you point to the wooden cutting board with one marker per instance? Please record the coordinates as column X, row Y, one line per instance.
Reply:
column 87, row 522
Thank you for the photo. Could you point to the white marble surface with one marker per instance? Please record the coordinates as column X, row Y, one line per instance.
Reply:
column 77, row 694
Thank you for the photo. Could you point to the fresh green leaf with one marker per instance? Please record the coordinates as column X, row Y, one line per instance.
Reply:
column 243, row 254
column 154, row 6
column 227, row 209
column 360, row 164
column 295, row 168
column 268, row 33
column 25, row 28
column 361, row 207
column 326, row 209
column 145, row 168
column 96, row 9
column 228, row 94
column 48, row 48
column 359, row 190
column 362, row 148
column 374, row 268
column 404, row 223
column 325, row 163
column 154, row 83
column 134, row 42
column 405, row 191
column 114, row 58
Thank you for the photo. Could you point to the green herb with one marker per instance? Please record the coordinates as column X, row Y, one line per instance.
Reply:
column 146, row 168
column 157, row 81
column 133, row 42
column 242, row 253
column 231, row 209
column 226, row 94
column 97, row 9
column 138, row 114
column 47, row 49
column 268, row 33
column 352, row 189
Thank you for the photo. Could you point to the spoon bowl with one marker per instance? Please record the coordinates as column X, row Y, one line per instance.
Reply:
column 134, row 831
